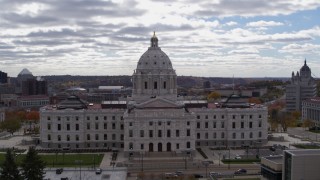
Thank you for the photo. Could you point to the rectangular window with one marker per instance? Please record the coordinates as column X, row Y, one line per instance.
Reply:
column 222, row 124
column 198, row 135
column 150, row 123
column 141, row 133
column 164, row 85
column 159, row 133
column 214, row 116
column 113, row 136
column 168, row 123
column 88, row 126
column 150, row 133
column 206, row 135
column 59, row 127
column 77, row 127
column 250, row 124
column 97, row 126
column 88, row 136
column 250, row 116
column 206, row 117
column 242, row 124
column 113, row 125
column 104, row 117
column 130, row 133
column 130, row 123
column 113, row 117
column 141, row 146
column 260, row 123
column 88, row 117
column 188, row 123
column 121, row 137
column 97, row 137
column 233, row 116
column 177, row 146
column 49, row 126
column 233, row 125
column 59, row 118
column 214, row 124
column 198, row 125
column 188, row 132
column 105, row 137
column 68, row 127
column 48, row 118
column 177, row 133
column 97, row 118
column 121, row 126
column 155, row 85
column 222, row 117
column 145, row 85
column 159, row 123
column 77, row 118
column 206, row 124
column 260, row 116
column 242, row 116
column 105, row 125
column 198, row 117
column 242, row 135
column 168, row 133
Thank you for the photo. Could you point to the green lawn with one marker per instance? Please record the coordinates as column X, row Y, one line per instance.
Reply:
column 67, row 160
column 240, row 161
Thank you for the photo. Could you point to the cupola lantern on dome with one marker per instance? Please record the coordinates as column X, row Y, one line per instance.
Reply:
column 154, row 40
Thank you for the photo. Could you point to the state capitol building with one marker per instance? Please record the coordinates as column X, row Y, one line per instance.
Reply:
column 153, row 119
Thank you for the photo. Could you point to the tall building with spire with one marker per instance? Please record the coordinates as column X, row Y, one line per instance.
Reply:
column 301, row 87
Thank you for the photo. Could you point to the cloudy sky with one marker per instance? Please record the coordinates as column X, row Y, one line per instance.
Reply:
column 217, row 38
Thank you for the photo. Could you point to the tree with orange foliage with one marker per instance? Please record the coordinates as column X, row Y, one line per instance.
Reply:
column 32, row 117
column 254, row 100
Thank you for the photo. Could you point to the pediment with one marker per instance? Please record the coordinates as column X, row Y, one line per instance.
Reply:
column 159, row 103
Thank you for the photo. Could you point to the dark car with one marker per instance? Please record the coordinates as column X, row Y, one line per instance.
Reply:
column 197, row 176
column 241, row 171
column 59, row 171
column 272, row 148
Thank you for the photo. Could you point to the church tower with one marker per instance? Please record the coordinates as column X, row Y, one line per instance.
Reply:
column 154, row 76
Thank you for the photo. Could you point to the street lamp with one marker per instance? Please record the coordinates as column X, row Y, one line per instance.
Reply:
column 229, row 159
column 206, row 163
column 142, row 153
column 79, row 162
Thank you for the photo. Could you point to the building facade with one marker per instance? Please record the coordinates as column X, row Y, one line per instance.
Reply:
column 311, row 110
column 153, row 119
column 302, row 87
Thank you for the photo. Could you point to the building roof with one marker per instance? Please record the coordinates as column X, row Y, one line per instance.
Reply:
column 154, row 57
column 315, row 100
column 73, row 102
column 304, row 152
column 25, row 71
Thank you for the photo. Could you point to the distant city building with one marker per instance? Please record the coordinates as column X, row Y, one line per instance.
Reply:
column 28, row 85
column 311, row 110
column 244, row 92
column 302, row 87
column 35, row 101
column 206, row 84
column 3, row 78
column 153, row 119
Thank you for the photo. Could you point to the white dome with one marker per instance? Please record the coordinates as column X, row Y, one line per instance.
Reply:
column 154, row 58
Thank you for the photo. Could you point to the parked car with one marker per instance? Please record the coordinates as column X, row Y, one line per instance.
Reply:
column 98, row 171
column 197, row 176
column 237, row 157
column 241, row 171
column 59, row 171
column 178, row 173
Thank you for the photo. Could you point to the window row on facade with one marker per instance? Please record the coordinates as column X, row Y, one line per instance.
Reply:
column 250, row 116
column 215, row 135
column 89, row 126
column 89, row 137
column 68, row 118
column 221, row 124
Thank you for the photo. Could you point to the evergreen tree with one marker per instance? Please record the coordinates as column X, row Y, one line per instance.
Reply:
column 33, row 166
column 9, row 169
